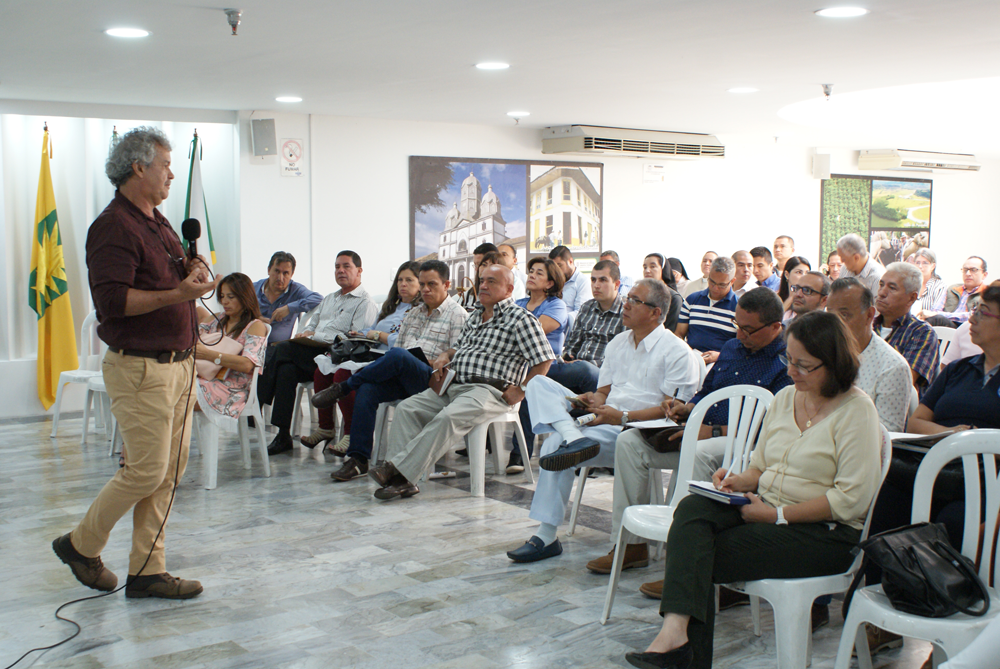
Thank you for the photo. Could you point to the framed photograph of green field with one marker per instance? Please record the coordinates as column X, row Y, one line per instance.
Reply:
column 893, row 214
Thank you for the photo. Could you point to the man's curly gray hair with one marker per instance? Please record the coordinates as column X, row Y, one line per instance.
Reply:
column 136, row 146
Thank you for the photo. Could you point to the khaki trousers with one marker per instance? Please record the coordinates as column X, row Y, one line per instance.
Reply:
column 426, row 425
column 150, row 402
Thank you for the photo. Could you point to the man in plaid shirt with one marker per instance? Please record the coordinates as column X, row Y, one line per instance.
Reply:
column 898, row 289
column 502, row 346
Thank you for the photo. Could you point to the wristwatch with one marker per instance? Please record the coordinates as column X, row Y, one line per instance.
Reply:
column 716, row 430
column 218, row 360
column 781, row 517
column 624, row 418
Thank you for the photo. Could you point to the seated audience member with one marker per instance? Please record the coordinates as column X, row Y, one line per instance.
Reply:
column 433, row 325
column 681, row 277
column 625, row 281
column 809, row 292
column 858, row 262
column 884, row 374
column 509, row 258
column 701, row 283
column 228, row 394
column 655, row 266
column 576, row 289
column 467, row 295
column 751, row 358
column 962, row 298
column 642, row 366
column 743, row 279
column 292, row 362
column 932, row 291
column 915, row 339
column 282, row 300
column 763, row 270
column 833, row 265
column 706, row 319
column 795, row 267
column 811, row 480
column 965, row 395
column 599, row 321
column 403, row 294
column 502, row 346
column 784, row 248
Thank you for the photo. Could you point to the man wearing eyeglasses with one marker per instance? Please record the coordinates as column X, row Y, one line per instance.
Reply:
column 706, row 317
column 751, row 358
column 962, row 298
column 809, row 293
column 642, row 366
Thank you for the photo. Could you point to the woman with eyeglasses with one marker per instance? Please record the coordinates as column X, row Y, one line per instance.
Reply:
column 795, row 267
column 811, row 481
column 656, row 266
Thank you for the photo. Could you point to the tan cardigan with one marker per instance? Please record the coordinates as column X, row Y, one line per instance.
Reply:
column 838, row 457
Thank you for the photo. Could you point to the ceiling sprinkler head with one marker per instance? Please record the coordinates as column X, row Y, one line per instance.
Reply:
column 827, row 90
column 233, row 15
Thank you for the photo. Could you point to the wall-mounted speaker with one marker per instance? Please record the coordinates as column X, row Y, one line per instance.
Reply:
column 821, row 166
column 263, row 138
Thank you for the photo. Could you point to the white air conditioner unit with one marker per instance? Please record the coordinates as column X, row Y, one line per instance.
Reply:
column 588, row 139
column 904, row 160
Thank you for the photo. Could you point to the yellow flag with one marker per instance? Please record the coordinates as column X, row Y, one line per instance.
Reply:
column 48, row 291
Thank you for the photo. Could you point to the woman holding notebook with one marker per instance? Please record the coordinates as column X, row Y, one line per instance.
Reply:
column 811, row 480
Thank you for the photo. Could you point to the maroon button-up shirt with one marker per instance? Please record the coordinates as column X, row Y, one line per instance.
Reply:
column 127, row 249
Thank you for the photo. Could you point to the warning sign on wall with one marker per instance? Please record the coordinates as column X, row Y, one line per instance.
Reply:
column 292, row 158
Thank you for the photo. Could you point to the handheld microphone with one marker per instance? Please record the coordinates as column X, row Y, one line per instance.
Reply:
column 191, row 231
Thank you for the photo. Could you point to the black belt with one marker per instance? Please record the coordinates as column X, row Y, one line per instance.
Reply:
column 499, row 385
column 163, row 357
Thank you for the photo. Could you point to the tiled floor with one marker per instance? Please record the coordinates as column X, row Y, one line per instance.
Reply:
column 303, row 572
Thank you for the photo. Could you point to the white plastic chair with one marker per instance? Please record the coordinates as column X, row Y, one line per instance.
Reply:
column 914, row 401
column 948, row 635
column 476, row 443
column 747, row 406
column 208, row 433
column 91, row 349
column 945, row 336
column 791, row 599
column 96, row 397
column 383, row 419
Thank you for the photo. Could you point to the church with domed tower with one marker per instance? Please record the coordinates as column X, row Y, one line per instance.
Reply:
column 474, row 220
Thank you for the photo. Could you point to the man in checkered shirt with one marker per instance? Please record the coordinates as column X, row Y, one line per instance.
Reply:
column 501, row 347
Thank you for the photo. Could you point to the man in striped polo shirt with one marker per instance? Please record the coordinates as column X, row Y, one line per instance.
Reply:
column 706, row 319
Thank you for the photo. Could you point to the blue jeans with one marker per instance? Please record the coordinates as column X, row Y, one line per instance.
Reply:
column 579, row 376
column 395, row 376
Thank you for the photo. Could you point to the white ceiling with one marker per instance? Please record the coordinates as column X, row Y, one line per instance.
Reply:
column 656, row 64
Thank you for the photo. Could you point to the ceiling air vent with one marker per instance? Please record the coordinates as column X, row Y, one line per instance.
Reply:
column 585, row 139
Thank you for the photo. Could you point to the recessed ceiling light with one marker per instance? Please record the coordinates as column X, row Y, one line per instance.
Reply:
column 492, row 66
column 288, row 98
column 518, row 114
column 127, row 32
column 842, row 12
column 742, row 89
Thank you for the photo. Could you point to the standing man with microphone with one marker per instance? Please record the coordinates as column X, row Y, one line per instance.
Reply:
column 143, row 288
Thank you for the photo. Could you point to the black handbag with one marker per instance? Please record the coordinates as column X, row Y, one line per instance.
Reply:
column 354, row 350
column 922, row 574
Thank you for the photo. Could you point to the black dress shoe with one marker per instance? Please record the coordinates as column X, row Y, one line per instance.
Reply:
column 280, row 444
column 570, row 455
column 353, row 468
column 383, row 474
column 678, row 658
column 398, row 487
column 534, row 549
column 327, row 397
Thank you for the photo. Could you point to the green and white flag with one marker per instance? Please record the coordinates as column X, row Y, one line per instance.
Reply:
column 195, row 206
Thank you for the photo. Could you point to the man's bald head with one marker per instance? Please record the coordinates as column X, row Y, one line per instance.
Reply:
column 496, row 283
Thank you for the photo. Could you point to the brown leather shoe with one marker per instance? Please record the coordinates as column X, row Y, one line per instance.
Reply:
column 383, row 473
column 89, row 571
column 636, row 555
column 161, row 586
column 652, row 590
column 399, row 487
column 327, row 397
column 353, row 468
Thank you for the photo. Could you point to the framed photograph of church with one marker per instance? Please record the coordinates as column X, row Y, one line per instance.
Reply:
column 457, row 204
